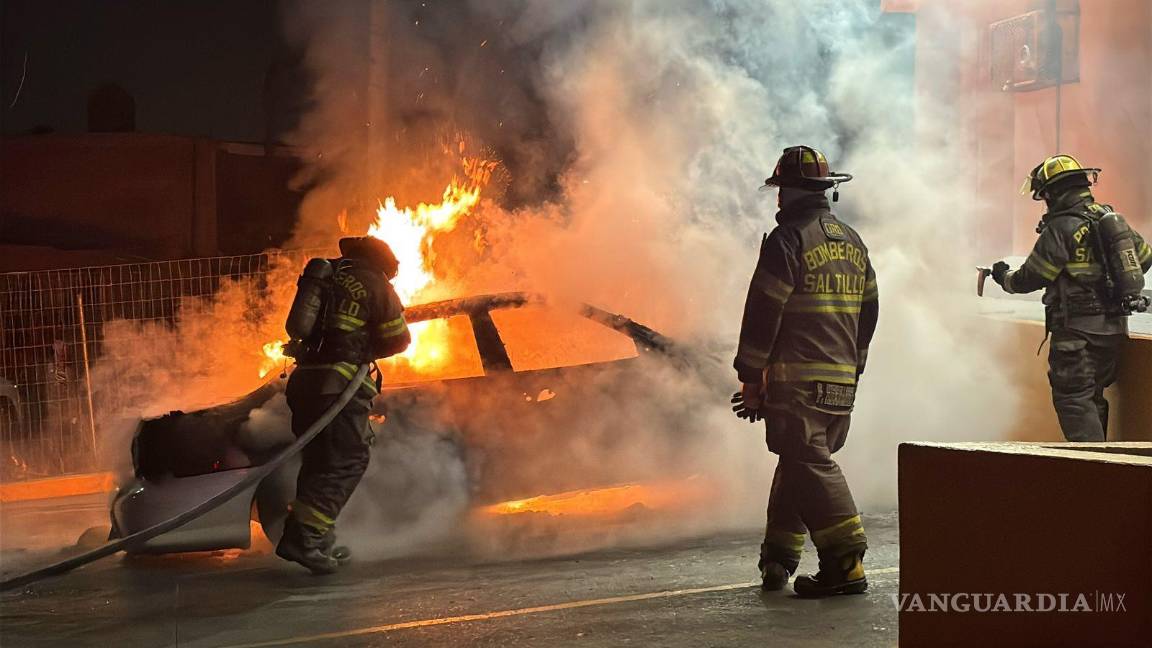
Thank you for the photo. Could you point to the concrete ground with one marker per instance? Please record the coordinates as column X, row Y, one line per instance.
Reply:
column 695, row 592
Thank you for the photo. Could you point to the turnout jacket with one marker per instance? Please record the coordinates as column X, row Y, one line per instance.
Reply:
column 1064, row 263
column 363, row 321
column 812, row 305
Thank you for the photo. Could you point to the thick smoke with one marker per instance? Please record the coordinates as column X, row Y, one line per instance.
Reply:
column 634, row 135
column 679, row 109
column 212, row 353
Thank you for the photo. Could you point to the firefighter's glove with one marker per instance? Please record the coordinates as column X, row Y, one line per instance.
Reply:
column 999, row 272
column 746, row 408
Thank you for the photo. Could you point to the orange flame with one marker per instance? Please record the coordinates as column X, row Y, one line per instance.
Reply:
column 273, row 357
column 410, row 233
column 655, row 496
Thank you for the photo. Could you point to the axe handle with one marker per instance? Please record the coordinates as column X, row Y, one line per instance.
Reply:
column 981, row 277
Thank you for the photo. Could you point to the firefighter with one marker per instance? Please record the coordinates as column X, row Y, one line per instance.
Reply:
column 810, row 313
column 361, row 320
column 1087, row 325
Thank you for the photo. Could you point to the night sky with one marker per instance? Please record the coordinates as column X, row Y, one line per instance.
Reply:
column 194, row 68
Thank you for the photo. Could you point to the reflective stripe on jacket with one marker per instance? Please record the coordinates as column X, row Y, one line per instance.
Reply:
column 346, row 371
column 812, row 304
column 1064, row 262
column 363, row 320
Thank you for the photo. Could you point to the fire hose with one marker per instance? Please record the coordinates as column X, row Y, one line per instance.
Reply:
column 258, row 473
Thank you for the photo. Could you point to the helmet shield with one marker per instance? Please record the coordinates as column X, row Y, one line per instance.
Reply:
column 1054, row 169
column 803, row 167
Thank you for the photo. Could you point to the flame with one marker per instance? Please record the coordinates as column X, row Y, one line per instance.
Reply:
column 410, row 232
column 429, row 348
column 656, row 496
column 273, row 357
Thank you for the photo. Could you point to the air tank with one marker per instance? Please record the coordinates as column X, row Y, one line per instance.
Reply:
column 310, row 289
column 1127, row 276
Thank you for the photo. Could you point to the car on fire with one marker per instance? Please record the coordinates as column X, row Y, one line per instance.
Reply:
column 524, row 384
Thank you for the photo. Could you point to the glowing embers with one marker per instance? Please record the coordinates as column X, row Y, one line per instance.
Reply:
column 672, row 495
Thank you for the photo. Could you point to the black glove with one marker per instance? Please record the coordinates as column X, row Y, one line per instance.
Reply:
column 999, row 272
column 743, row 411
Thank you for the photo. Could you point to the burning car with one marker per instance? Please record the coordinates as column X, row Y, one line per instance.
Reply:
column 520, row 400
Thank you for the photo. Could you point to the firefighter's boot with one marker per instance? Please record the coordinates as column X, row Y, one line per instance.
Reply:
column 779, row 557
column 342, row 554
column 842, row 575
column 773, row 577
column 304, row 544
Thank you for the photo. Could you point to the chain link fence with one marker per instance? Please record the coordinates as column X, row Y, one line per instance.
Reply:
column 54, row 326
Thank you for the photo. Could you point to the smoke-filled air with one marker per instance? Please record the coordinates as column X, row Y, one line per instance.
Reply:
column 610, row 153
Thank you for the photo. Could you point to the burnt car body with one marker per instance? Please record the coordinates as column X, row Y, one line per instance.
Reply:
column 520, row 421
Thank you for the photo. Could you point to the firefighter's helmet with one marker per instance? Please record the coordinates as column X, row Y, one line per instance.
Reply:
column 803, row 167
column 1054, row 169
column 373, row 250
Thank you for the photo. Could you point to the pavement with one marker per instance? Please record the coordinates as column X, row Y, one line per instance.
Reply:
column 696, row 591
column 30, row 527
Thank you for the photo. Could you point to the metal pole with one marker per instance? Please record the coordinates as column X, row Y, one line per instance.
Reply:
column 1056, row 34
column 87, row 374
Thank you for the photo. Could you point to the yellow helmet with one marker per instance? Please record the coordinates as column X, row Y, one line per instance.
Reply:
column 1052, row 169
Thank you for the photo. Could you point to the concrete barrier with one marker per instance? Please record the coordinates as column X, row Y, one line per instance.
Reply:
column 1025, row 544
column 1131, row 418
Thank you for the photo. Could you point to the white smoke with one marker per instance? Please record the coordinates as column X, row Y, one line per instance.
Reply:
column 412, row 497
column 267, row 428
column 676, row 110
column 681, row 108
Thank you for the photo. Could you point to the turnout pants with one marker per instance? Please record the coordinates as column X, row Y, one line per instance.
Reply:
column 334, row 461
column 1080, row 366
column 809, row 492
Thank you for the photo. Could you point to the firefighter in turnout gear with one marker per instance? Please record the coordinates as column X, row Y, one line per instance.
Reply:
column 1085, row 315
column 810, row 314
column 358, row 318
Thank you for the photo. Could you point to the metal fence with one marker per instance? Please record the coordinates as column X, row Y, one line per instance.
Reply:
column 53, row 329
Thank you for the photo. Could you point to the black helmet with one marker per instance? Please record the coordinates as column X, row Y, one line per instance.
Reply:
column 1057, row 169
column 371, row 249
column 803, row 167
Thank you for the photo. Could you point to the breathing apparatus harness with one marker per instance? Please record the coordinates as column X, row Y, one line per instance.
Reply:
column 315, row 291
column 309, row 309
column 1112, row 239
column 1115, row 247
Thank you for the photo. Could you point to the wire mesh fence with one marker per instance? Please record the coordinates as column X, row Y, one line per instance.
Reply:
column 54, row 326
